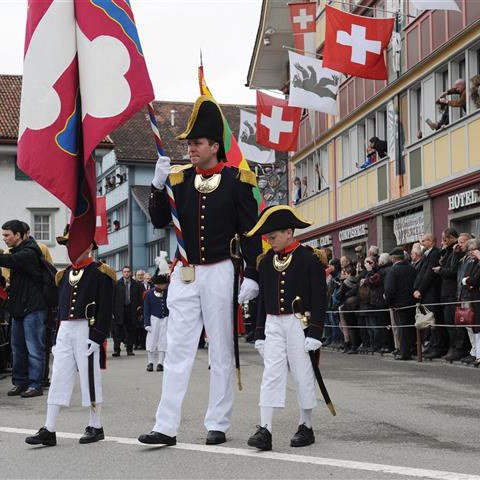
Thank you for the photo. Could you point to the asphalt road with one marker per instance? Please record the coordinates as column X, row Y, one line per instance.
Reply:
column 394, row 420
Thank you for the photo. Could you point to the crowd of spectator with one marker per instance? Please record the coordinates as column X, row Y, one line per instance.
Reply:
column 372, row 301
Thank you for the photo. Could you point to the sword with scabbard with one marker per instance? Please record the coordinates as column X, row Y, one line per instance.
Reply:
column 299, row 312
column 91, row 372
column 237, row 266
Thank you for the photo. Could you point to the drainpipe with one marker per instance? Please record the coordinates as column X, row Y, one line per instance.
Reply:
column 130, row 217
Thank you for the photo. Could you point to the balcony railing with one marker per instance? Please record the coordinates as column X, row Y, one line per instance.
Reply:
column 116, row 241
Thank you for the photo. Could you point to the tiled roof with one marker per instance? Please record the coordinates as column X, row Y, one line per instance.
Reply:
column 134, row 141
column 10, row 93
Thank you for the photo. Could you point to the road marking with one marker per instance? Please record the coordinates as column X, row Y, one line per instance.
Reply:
column 285, row 457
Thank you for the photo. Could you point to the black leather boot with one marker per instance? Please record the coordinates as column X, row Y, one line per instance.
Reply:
column 157, row 438
column 303, row 437
column 215, row 437
column 261, row 439
column 92, row 435
column 43, row 437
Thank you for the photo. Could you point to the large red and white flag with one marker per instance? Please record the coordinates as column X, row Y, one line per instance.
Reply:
column 304, row 20
column 436, row 5
column 84, row 75
column 356, row 45
column 277, row 123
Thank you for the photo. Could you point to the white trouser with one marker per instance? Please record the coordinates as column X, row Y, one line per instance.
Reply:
column 284, row 347
column 206, row 301
column 157, row 339
column 475, row 342
column 69, row 357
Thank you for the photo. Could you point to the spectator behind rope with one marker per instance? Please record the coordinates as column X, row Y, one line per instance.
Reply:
column 399, row 285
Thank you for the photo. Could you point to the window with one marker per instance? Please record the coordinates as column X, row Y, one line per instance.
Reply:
column 120, row 215
column 111, row 261
column 323, row 169
column 123, row 259
column 346, row 164
column 416, row 113
column 42, row 227
column 473, row 81
column 154, row 249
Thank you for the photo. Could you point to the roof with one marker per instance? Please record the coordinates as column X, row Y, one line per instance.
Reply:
column 134, row 139
column 141, row 194
column 10, row 94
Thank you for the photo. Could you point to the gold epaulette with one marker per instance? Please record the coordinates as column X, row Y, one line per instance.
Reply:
column 59, row 276
column 177, row 174
column 247, row 176
column 262, row 256
column 104, row 268
column 322, row 255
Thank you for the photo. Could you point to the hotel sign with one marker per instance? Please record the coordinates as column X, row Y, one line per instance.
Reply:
column 464, row 199
column 353, row 232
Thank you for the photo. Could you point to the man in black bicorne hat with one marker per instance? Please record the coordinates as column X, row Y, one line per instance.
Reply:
column 214, row 202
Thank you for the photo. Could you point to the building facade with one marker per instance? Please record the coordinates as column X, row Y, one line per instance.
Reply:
column 21, row 198
column 428, row 179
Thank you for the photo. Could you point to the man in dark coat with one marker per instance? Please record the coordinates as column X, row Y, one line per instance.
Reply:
column 399, row 284
column 427, row 291
column 448, row 269
column 125, row 304
column 28, row 309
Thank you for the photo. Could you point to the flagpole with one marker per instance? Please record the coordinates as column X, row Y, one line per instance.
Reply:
column 372, row 8
column 171, row 197
column 302, row 52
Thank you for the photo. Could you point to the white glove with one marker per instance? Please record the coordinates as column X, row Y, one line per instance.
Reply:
column 148, row 329
column 162, row 170
column 464, row 281
column 54, row 347
column 260, row 346
column 92, row 347
column 312, row 344
column 248, row 290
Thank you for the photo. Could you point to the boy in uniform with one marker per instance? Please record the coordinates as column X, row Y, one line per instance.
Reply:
column 85, row 291
column 287, row 272
column 155, row 316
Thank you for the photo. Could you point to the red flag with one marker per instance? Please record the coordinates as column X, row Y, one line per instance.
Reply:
column 101, row 232
column 304, row 20
column 84, row 75
column 355, row 45
column 277, row 123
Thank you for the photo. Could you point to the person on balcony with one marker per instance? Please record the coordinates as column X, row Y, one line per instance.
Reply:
column 444, row 118
column 376, row 150
column 457, row 89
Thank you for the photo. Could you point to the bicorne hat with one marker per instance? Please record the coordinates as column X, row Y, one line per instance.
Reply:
column 63, row 239
column 206, row 121
column 278, row 217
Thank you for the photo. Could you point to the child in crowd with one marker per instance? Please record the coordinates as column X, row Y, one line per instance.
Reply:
column 155, row 317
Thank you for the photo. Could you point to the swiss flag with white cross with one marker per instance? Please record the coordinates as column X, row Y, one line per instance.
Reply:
column 277, row 123
column 304, row 20
column 355, row 45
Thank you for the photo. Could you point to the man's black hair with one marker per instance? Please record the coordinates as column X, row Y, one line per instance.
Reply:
column 450, row 232
column 15, row 226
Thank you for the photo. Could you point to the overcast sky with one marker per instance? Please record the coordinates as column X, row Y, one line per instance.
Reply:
column 172, row 33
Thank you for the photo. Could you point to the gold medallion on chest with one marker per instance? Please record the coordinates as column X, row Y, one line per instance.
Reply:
column 74, row 276
column 281, row 264
column 207, row 184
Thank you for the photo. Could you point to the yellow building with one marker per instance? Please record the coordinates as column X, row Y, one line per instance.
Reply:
column 428, row 179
